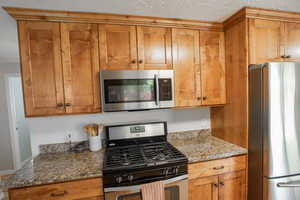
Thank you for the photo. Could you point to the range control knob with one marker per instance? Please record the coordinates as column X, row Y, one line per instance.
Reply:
column 166, row 171
column 119, row 179
column 176, row 170
column 130, row 177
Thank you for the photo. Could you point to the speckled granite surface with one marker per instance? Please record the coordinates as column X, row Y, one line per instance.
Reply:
column 57, row 167
column 60, row 167
column 201, row 146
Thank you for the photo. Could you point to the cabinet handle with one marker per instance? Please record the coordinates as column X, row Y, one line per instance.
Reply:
column 60, row 105
column 222, row 184
column 59, row 194
column 140, row 61
column 283, row 56
column 204, row 98
column 216, row 185
column 199, row 98
column 288, row 56
column 68, row 104
column 218, row 168
column 133, row 61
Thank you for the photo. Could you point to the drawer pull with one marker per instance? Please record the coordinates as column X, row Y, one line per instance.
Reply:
column 59, row 194
column 218, row 168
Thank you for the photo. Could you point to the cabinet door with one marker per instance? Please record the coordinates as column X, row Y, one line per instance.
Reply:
column 118, row 49
column 154, row 48
column 292, row 41
column 81, row 67
column 203, row 188
column 265, row 41
column 41, row 68
column 186, row 63
column 212, row 56
column 232, row 186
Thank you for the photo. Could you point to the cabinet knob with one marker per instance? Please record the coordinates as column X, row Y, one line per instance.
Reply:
column 204, row 98
column 198, row 98
column 140, row 61
column 60, row 105
column 288, row 56
column 68, row 104
column 133, row 61
column 216, row 185
column 222, row 184
column 283, row 56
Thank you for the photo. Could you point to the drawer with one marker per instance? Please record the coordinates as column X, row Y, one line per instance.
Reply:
column 83, row 189
column 217, row 167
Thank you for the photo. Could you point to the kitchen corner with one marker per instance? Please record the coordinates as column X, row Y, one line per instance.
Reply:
column 48, row 168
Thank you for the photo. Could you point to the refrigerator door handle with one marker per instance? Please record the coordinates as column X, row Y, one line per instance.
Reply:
column 289, row 184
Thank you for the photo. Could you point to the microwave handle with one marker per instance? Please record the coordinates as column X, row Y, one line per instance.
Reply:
column 157, row 89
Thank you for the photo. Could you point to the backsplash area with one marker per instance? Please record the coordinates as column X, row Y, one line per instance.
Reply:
column 51, row 130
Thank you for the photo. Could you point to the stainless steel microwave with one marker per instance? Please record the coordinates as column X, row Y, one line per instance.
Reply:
column 126, row 90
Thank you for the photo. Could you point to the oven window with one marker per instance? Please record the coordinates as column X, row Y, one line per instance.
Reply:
column 129, row 90
column 171, row 193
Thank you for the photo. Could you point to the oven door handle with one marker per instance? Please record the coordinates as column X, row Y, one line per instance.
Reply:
column 157, row 89
column 138, row 187
column 289, row 184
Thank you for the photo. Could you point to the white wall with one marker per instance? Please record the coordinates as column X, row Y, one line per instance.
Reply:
column 55, row 129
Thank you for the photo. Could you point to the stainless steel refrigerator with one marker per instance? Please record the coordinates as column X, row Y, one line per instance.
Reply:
column 274, row 131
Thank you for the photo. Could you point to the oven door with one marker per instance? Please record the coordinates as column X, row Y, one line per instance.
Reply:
column 136, row 89
column 175, row 189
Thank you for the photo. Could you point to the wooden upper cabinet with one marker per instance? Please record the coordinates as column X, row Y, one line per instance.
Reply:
column 154, row 48
column 41, row 68
column 232, row 186
column 118, row 48
column 186, row 63
column 80, row 60
column 292, row 41
column 204, row 188
column 212, row 53
column 265, row 41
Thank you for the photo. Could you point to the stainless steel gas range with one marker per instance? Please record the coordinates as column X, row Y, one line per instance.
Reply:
column 137, row 154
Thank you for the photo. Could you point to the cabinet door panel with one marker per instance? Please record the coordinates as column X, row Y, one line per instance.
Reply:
column 154, row 48
column 41, row 68
column 212, row 54
column 232, row 186
column 265, row 41
column 292, row 41
column 186, row 63
column 203, row 188
column 118, row 50
column 81, row 67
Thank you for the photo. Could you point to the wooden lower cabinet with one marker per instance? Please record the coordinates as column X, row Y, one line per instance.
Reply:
column 89, row 189
column 206, row 188
column 223, row 179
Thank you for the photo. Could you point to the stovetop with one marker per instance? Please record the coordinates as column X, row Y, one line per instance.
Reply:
column 141, row 156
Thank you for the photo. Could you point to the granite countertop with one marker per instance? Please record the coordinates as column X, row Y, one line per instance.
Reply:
column 61, row 166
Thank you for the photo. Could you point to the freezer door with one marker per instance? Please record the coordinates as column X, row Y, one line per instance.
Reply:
column 281, row 116
column 282, row 188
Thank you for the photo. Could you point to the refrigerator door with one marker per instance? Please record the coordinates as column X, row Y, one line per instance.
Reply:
column 282, row 188
column 281, row 119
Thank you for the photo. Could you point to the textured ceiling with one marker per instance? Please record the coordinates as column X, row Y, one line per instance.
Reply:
column 211, row 10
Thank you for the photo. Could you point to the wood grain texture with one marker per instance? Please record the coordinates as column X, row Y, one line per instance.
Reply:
column 265, row 41
column 217, row 167
column 118, row 47
column 233, row 186
column 186, row 63
column 212, row 53
column 89, row 189
column 205, row 188
column 41, row 68
column 80, row 60
column 231, row 121
column 292, row 41
column 154, row 48
column 84, row 17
